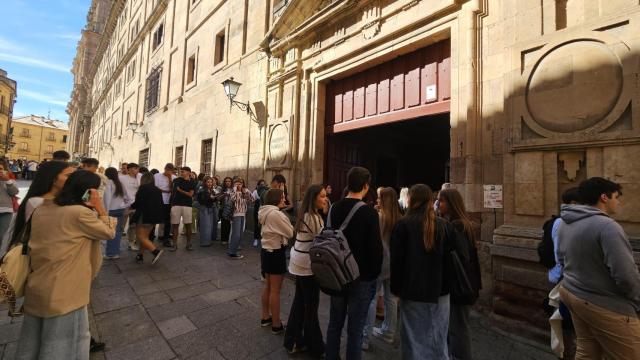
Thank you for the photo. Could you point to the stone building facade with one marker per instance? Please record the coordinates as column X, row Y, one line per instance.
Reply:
column 80, row 105
column 531, row 95
column 37, row 137
column 8, row 94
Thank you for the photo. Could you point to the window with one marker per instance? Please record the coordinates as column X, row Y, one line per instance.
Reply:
column 49, row 149
column 131, row 70
column 24, row 146
column 218, row 56
column 118, row 87
column 51, row 137
column 158, row 36
column 191, row 69
column 64, row 138
column 134, row 30
column 25, row 133
column 205, row 156
column 152, row 96
column 179, row 156
column 143, row 158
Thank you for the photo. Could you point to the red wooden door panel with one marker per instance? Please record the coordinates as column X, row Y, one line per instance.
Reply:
column 347, row 100
column 444, row 73
column 337, row 103
column 371, row 98
column 412, row 81
column 358, row 97
column 397, row 84
column 429, row 77
column 383, row 88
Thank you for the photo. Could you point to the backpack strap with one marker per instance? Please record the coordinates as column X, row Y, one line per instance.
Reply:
column 355, row 208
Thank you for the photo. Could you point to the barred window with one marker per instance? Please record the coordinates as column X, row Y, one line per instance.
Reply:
column 179, row 156
column 158, row 35
column 152, row 97
column 205, row 156
column 143, row 159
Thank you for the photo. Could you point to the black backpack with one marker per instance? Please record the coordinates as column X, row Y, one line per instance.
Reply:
column 545, row 248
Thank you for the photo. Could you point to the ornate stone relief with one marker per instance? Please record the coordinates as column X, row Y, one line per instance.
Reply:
column 571, row 90
column 571, row 162
column 371, row 19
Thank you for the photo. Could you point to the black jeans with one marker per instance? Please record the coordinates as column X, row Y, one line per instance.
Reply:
column 303, row 327
column 225, row 230
column 167, row 222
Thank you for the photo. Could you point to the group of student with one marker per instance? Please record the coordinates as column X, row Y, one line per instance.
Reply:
column 595, row 277
column 402, row 254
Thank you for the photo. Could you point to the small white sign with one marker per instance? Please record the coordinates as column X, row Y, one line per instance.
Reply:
column 432, row 92
column 493, row 196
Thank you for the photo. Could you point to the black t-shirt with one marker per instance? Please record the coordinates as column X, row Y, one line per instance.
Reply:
column 178, row 198
column 363, row 236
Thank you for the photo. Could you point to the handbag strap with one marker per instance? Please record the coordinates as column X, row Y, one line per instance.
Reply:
column 25, row 235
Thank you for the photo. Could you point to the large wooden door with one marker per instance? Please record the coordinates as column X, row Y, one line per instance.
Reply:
column 341, row 156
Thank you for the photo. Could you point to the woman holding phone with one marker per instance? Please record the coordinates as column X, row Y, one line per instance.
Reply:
column 65, row 258
column 241, row 198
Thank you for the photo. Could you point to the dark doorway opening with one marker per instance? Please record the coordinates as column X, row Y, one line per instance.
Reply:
column 398, row 155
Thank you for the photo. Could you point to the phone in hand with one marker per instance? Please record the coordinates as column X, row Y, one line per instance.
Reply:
column 86, row 196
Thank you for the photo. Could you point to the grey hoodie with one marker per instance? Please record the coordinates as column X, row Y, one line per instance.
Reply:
column 598, row 260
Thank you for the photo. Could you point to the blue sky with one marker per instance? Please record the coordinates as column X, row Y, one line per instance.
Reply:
column 38, row 41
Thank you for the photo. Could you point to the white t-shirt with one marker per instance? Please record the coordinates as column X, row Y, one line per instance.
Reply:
column 130, row 185
column 163, row 183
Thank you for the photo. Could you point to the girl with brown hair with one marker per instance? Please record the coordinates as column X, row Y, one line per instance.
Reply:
column 451, row 207
column 420, row 244
column 389, row 213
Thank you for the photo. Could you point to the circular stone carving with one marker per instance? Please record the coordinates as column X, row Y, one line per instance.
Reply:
column 279, row 144
column 574, row 86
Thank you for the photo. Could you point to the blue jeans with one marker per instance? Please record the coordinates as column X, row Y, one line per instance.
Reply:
column 113, row 245
column 60, row 337
column 424, row 329
column 353, row 305
column 237, row 229
column 390, row 323
column 208, row 222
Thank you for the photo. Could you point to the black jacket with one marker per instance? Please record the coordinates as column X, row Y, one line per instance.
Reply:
column 469, row 253
column 417, row 274
column 363, row 236
column 149, row 205
column 204, row 197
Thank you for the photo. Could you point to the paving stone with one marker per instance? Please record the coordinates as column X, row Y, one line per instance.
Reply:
column 214, row 314
column 169, row 284
column 153, row 348
column 125, row 326
column 177, row 308
column 223, row 295
column 108, row 279
column 202, row 340
column 211, row 354
column 176, row 327
column 112, row 298
column 154, row 299
column 191, row 291
column 139, row 279
column 146, row 289
column 195, row 278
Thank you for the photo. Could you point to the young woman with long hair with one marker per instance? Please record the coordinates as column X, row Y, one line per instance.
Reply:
column 240, row 198
column 208, row 197
column 149, row 213
column 389, row 213
column 420, row 245
column 225, row 222
column 303, row 328
column 114, row 202
column 46, row 185
column 451, row 207
column 65, row 258
column 276, row 232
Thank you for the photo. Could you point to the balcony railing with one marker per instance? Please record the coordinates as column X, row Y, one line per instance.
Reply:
column 25, row 135
column 4, row 110
column 51, row 138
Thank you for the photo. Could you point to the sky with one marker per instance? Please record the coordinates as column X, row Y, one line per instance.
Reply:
column 38, row 40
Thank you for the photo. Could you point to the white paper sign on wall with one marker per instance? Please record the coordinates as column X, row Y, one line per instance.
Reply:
column 432, row 92
column 493, row 196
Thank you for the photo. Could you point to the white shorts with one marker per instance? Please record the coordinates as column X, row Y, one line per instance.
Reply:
column 184, row 212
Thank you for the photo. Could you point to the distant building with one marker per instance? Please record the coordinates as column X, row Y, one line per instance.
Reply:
column 8, row 92
column 36, row 137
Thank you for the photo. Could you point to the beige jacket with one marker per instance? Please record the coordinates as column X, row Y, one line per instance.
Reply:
column 65, row 257
column 276, row 227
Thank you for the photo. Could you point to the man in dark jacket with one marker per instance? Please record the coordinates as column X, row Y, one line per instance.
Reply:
column 363, row 236
column 601, row 282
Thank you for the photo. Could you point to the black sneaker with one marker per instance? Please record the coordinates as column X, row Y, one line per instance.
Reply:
column 277, row 330
column 139, row 259
column 156, row 257
column 266, row 322
column 167, row 243
column 96, row 346
column 296, row 349
column 236, row 256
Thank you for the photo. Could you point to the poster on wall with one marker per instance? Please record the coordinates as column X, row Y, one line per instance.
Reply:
column 493, row 196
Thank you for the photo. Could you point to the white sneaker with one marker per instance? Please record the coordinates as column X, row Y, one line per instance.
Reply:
column 134, row 247
column 255, row 242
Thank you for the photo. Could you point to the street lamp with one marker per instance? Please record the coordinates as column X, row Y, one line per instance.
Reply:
column 134, row 128
column 231, row 88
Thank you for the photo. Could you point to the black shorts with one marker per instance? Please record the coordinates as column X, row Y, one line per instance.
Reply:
column 274, row 262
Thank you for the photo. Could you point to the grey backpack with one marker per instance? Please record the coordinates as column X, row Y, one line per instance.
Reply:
column 332, row 262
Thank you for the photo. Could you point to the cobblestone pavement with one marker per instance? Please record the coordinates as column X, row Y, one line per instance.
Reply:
column 202, row 305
